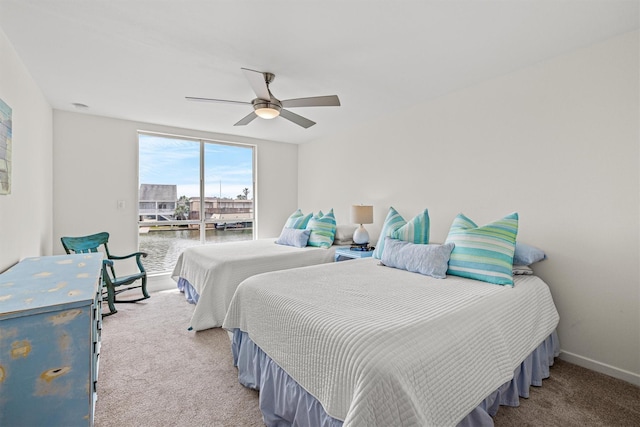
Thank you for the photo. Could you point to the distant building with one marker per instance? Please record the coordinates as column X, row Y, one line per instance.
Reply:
column 223, row 212
column 157, row 202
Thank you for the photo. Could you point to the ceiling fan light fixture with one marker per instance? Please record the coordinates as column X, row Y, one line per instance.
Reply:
column 267, row 113
column 267, row 110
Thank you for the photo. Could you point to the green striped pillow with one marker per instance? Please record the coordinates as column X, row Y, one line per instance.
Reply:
column 298, row 220
column 392, row 222
column 414, row 231
column 323, row 229
column 483, row 253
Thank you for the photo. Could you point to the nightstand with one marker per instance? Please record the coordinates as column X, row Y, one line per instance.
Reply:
column 345, row 253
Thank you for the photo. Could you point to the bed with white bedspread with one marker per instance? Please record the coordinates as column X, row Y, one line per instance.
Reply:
column 209, row 274
column 378, row 346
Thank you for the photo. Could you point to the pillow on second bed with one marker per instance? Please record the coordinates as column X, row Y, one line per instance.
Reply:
column 294, row 237
column 414, row 231
column 527, row 254
column 344, row 234
column 298, row 220
column 483, row 253
column 323, row 229
column 430, row 260
column 522, row 270
column 392, row 222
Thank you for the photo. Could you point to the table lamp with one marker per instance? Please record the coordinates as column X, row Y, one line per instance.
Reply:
column 361, row 214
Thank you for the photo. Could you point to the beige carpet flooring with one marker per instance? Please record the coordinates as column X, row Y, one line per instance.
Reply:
column 154, row 372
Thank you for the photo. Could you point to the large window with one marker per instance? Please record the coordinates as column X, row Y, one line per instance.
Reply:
column 191, row 192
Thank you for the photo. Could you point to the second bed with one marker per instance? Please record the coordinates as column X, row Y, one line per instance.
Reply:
column 210, row 274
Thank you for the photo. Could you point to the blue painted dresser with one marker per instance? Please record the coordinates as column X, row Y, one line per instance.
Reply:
column 50, row 323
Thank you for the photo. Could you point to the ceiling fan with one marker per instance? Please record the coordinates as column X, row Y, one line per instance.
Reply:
column 267, row 106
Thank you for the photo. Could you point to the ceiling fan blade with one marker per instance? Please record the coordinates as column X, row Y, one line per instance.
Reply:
column 258, row 83
column 299, row 120
column 314, row 101
column 192, row 98
column 246, row 119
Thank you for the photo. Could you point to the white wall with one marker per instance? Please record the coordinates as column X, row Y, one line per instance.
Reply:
column 96, row 164
column 25, row 214
column 558, row 143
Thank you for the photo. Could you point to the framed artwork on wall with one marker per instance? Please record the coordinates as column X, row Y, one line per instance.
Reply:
column 5, row 148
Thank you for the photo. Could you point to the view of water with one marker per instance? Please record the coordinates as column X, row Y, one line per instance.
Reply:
column 165, row 246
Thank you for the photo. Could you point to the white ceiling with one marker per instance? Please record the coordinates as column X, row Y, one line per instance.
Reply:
column 138, row 60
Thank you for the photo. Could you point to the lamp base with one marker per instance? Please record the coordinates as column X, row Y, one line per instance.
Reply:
column 361, row 236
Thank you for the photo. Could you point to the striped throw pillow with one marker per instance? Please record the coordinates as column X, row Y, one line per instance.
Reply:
column 323, row 229
column 392, row 222
column 414, row 231
column 483, row 253
column 298, row 220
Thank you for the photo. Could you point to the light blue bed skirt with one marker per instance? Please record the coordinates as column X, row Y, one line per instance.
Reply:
column 284, row 402
column 189, row 293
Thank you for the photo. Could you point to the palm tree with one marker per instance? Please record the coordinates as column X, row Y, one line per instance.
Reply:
column 244, row 195
column 182, row 208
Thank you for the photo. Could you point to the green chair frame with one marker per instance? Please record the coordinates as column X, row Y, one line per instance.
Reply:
column 113, row 284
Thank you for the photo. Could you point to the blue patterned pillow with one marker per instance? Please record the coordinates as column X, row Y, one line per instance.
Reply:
column 430, row 260
column 414, row 231
column 294, row 237
column 392, row 222
column 483, row 253
column 323, row 229
column 298, row 220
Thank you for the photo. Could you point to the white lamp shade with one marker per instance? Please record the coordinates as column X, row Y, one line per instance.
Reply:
column 362, row 214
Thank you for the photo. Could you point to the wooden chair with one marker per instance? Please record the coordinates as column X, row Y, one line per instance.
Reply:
column 92, row 243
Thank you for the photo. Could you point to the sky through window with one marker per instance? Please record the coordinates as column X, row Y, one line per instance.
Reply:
column 169, row 161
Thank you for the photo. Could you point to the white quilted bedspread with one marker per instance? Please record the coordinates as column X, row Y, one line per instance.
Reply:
column 216, row 270
column 379, row 346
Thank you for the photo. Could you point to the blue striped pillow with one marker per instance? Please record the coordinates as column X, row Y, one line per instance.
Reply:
column 483, row 253
column 392, row 222
column 414, row 231
column 323, row 229
column 298, row 220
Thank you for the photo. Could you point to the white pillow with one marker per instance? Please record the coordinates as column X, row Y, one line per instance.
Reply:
column 294, row 237
column 522, row 269
column 344, row 234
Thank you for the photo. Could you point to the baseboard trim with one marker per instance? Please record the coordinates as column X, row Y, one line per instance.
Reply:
column 603, row 368
column 160, row 282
